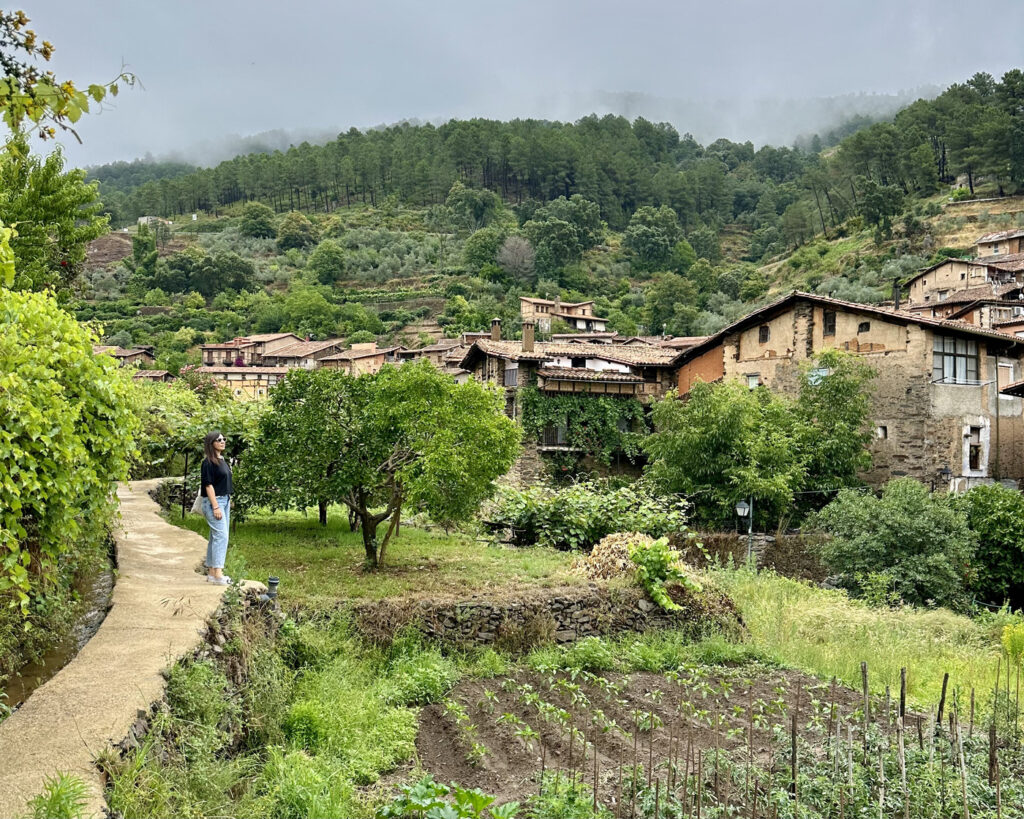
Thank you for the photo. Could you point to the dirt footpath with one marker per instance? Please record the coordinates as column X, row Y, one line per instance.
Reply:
column 159, row 607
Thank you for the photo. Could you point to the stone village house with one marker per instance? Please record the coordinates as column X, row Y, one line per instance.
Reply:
column 578, row 315
column 939, row 415
column 639, row 371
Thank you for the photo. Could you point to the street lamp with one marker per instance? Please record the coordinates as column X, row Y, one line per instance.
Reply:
column 745, row 510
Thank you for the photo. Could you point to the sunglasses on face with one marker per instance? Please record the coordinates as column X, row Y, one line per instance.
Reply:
column 220, row 440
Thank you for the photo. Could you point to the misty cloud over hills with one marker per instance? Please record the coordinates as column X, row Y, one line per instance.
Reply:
column 762, row 121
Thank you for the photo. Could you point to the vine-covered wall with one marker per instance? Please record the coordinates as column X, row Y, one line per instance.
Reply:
column 596, row 425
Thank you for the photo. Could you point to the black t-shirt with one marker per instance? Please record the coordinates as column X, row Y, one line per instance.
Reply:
column 216, row 475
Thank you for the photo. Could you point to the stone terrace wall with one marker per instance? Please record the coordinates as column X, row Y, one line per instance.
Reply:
column 562, row 615
column 793, row 555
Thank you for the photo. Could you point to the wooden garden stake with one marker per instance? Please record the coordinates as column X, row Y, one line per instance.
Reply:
column 888, row 705
column 792, row 750
column 867, row 706
column 700, row 781
column 970, row 729
column 543, row 760
column 618, row 793
column 849, row 748
column 942, row 699
column 650, row 749
column 881, row 782
column 686, row 767
column 750, row 744
column 993, row 760
column 963, row 769
column 901, row 741
column 657, row 798
column 572, row 765
column 920, row 735
column 903, row 693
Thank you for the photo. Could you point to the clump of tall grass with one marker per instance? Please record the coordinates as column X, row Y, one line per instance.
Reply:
column 825, row 632
column 63, row 797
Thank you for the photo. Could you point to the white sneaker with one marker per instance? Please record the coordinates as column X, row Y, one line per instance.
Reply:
column 223, row 580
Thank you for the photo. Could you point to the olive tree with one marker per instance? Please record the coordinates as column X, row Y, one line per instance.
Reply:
column 406, row 436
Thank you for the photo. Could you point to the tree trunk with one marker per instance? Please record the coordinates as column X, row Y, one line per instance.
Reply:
column 393, row 527
column 322, row 507
column 369, row 527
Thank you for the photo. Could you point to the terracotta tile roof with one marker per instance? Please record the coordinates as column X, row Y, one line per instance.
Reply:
column 227, row 345
column 899, row 316
column 1016, row 388
column 1009, row 262
column 349, row 355
column 582, row 374
column 549, row 301
column 563, row 314
column 120, row 352
column 144, row 374
column 301, row 349
column 635, row 355
column 269, row 336
column 243, row 370
column 998, row 236
column 984, row 291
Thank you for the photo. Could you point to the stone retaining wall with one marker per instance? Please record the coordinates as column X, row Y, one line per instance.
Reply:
column 792, row 555
column 561, row 615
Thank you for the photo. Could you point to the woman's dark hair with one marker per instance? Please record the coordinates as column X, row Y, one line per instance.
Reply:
column 210, row 452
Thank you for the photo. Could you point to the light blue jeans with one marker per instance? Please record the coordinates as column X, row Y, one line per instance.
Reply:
column 217, row 548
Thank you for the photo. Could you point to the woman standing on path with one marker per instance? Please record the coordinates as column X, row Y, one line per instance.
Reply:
column 216, row 491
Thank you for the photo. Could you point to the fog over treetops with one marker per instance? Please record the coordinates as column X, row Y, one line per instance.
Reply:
column 305, row 70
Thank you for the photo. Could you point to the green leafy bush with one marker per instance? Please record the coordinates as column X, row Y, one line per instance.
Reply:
column 419, row 678
column 996, row 515
column 430, row 798
column 920, row 539
column 66, row 438
column 656, row 565
column 578, row 516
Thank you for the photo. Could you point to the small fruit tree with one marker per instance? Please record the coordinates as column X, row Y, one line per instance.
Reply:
column 406, row 435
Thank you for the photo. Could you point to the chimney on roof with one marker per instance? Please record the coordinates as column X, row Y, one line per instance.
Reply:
column 896, row 292
column 528, row 333
column 558, row 305
column 495, row 329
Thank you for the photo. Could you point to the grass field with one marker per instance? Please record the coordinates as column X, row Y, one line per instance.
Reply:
column 827, row 634
column 318, row 566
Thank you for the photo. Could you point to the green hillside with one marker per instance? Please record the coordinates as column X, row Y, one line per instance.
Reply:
column 405, row 233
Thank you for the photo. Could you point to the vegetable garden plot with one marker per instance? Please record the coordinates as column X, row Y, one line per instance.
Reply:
column 748, row 741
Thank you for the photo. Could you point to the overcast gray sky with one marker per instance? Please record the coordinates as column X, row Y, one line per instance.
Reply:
column 221, row 67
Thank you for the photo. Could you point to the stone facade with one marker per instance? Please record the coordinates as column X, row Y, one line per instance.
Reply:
column 923, row 424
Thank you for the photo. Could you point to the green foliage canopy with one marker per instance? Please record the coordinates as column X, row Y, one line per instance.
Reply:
column 920, row 540
column 727, row 442
column 67, row 437
column 599, row 426
column 258, row 221
column 406, row 435
column 996, row 515
column 55, row 213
